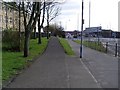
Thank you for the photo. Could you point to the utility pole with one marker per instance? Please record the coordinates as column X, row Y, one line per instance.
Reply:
column 81, row 30
column 66, row 25
column 78, row 21
column 60, row 24
column 89, row 39
column 89, row 12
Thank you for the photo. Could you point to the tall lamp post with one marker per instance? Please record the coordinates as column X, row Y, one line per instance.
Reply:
column 89, row 12
column 81, row 30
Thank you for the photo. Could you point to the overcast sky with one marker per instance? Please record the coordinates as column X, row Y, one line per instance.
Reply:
column 103, row 12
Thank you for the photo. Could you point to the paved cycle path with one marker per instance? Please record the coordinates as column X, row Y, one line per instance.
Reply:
column 103, row 67
column 54, row 69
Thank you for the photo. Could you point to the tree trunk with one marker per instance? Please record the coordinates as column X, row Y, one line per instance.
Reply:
column 40, row 26
column 30, row 25
column 39, row 37
column 47, row 26
column 47, row 32
column 6, row 16
column 26, row 43
column 19, row 28
column 39, row 31
column 35, row 33
column 48, row 22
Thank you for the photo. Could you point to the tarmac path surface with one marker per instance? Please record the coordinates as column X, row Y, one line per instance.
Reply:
column 103, row 67
column 54, row 69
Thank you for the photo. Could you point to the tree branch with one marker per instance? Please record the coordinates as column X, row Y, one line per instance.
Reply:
column 32, row 14
column 37, row 14
column 25, row 23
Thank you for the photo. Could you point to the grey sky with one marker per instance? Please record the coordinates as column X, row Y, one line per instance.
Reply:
column 103, row 12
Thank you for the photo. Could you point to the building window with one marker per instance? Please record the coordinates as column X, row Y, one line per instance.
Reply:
column 0, row 7
column 6, row 19
column 16, row 20
column 3, row 7
column 10, row 10
column 3, row 19
column 0, row 28
column 0, row 19
column 10, row 19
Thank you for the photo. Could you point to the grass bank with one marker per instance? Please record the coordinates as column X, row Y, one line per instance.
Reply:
column 67, row 48
column 92, row 45
column 12, row 62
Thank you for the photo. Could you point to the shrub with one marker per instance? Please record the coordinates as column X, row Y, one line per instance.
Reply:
column 11, row 40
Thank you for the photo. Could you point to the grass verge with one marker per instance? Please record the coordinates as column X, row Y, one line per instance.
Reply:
column 92, row 45
column 12, row 62
column 67, row 48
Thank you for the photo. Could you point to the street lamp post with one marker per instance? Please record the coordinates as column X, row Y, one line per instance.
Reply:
column 81, row 30
column 89, row 12
column 98, row 36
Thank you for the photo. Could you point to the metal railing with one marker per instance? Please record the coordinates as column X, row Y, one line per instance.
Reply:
column 111, row 45
column 113, row 49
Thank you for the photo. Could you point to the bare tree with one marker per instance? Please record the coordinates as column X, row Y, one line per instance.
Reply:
column 52, row 11
column 40, row 25
column 30, row 23
column 34, row 33
column 19, row 25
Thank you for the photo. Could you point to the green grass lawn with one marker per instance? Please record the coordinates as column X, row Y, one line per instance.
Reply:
column 92, row 45
column 12, row 62
column 66, row 46
column 0, row 67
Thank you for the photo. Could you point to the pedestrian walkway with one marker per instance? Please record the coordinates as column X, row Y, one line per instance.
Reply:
column 54, row 69
column 103, row 67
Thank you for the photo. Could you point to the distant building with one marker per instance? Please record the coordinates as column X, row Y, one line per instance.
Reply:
column 92, row 31
column 106, row 33
column 99, row 32
column 9, row 17
column 115, row 34
column 72, row 34
column 69, row 34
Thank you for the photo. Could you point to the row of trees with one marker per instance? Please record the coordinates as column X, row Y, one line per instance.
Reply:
column 33, row 13
column 55, row 30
